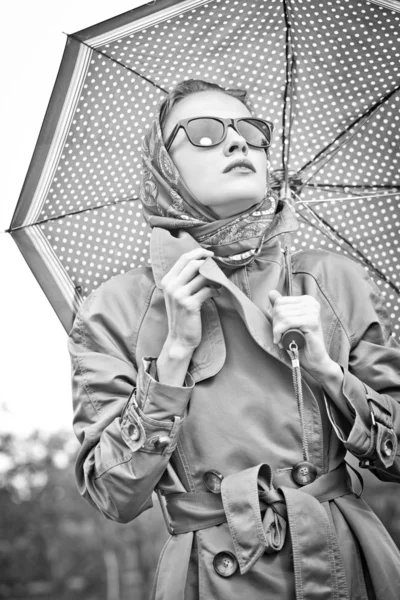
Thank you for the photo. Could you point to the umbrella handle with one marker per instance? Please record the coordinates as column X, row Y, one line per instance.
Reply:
column 290, row 336
column 293, row 336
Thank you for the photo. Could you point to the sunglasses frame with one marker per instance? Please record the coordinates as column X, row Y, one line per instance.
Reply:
column 183, row 123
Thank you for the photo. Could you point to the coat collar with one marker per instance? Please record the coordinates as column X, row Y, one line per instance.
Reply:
column 166, row 246
column 165, row 249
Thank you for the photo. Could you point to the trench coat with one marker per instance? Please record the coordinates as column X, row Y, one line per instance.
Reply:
column 220, row 450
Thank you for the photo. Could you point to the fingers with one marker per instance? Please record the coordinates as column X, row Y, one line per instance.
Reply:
column 184, row 270
column 196, row 284
column 184, row 291
column 182, row 284
column 199, row 254
column 205, row 294
column 293, row 312
column 293, row 304
column 273, row 295
column 189, row 271
column 280, row 327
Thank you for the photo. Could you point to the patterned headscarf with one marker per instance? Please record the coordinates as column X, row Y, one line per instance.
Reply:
column 168, row 203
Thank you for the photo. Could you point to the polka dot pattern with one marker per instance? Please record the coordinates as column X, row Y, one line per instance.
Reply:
column 366, row 224
column 100, row 162
column 96, row 245
column 361, row 160
column 347, row 59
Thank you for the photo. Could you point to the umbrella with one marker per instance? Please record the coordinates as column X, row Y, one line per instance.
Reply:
column 326, row 73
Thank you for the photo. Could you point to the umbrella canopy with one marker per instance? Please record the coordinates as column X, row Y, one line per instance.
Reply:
column 326, row 73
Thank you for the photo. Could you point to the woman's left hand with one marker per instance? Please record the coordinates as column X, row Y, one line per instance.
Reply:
column 301, row 312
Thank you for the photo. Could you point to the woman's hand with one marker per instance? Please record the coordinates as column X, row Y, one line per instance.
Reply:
column 185, row 290
column 302, row 312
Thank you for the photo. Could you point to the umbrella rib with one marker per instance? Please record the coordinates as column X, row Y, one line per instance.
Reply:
column 70, row 214
column 359, row 254
column 354, row 196
column 288, row 98
column 355, row 186
column 361, row 120
column 347, row 198
column 118, row 62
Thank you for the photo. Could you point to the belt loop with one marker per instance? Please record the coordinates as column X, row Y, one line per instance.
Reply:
column 164, row 511
column 360, row 479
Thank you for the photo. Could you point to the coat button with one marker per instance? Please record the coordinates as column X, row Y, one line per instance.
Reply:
column 161, row 442
column 133, row 432
column 225, row 564
column 212, row 480
column 304, row 472
column 387, row 447
column 366, row 463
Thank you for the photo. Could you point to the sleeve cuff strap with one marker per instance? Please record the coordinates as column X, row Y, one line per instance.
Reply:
column 355, row 393
column 159, row 400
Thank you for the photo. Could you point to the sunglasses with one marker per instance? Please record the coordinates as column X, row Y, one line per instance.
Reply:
column 206, row 132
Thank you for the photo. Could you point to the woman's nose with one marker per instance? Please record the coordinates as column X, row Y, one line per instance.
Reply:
column 234, row 142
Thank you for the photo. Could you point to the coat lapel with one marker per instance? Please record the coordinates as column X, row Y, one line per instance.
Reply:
column 209, row 357
column 257, row 324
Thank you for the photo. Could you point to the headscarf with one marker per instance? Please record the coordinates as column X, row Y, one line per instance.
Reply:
column 168, row 203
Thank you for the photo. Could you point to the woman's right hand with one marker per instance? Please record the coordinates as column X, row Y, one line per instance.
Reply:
column 185, row 290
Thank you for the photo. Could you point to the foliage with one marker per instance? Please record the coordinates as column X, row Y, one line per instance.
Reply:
column 54, row 544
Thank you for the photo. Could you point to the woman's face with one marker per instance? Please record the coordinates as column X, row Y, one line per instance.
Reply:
column 206, row 171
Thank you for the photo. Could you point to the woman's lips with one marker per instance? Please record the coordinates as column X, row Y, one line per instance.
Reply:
column 241, row 169
column 241, row 164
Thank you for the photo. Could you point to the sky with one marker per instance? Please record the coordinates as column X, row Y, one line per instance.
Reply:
column 35, row 367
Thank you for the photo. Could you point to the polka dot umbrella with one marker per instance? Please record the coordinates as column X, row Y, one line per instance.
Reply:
column 326, row 72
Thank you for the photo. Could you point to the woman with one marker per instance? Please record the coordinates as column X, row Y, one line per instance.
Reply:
column 181, row 384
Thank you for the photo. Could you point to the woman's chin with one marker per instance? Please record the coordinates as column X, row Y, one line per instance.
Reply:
column 234, row 205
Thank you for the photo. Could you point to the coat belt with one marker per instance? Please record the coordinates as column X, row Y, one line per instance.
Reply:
column 258, row 516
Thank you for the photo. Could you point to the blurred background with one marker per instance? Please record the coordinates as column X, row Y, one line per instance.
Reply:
column 52, row 544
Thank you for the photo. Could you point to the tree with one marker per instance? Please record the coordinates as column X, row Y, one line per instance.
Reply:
column 52, row 537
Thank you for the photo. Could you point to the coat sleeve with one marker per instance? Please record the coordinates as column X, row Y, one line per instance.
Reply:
column 126, row 422
column 371, row 384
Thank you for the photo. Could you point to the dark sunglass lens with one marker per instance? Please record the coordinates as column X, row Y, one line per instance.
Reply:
column 255, row 132
column 205, row 132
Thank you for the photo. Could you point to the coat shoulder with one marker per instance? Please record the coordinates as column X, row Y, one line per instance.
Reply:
column 123, row 294
column 354, row 295
column 331, row 270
